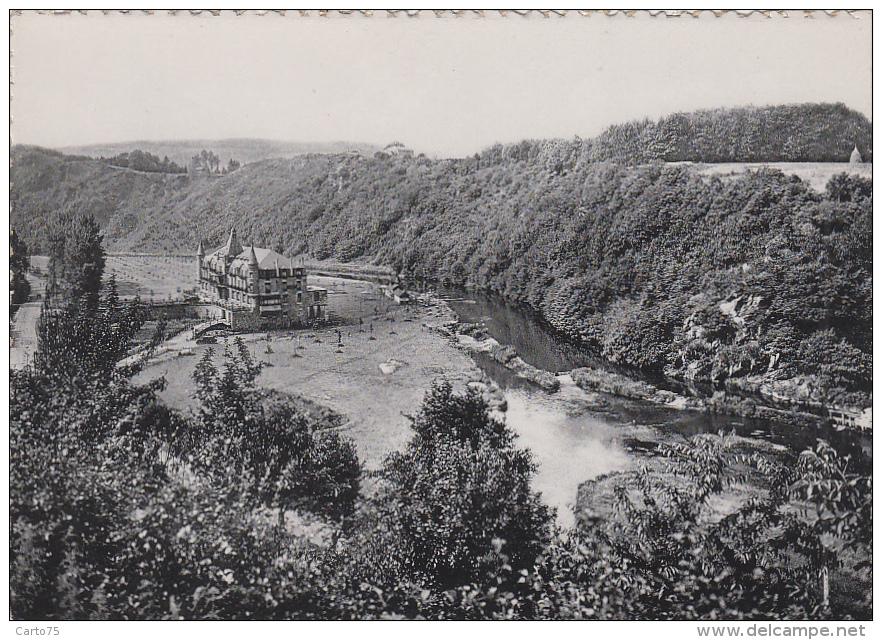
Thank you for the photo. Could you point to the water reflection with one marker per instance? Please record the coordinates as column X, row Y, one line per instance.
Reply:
column 522, row 329
column 570, row 447
column 577, row 436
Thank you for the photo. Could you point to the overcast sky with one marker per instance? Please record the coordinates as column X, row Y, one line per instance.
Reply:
column 448, row 86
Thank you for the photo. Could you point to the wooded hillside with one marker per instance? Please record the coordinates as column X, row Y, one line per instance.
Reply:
column 782, row 133
column 758, row 277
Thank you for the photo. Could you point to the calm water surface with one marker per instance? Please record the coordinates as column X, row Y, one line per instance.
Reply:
column 576, row 435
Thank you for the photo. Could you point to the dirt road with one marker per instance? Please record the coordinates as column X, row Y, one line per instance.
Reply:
column 23, row 334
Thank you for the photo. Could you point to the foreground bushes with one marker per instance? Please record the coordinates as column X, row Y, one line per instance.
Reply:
column 240, row 429
column 123, row 509
column 460, row 492
column 450, row 530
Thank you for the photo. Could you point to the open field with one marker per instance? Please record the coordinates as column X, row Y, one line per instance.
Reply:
column 151, row 277
column 348, row 379
column 817, row 174
column 146, row 276
column 160, row 277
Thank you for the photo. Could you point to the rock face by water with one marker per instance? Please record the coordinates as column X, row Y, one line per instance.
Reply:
column 619, row 385
column 596, row 499
column 508, row 357
column 748, row 396
column 540, row 378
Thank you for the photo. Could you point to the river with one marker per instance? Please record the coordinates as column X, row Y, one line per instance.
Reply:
column 576, row 435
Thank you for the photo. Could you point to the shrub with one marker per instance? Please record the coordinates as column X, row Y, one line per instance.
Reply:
column 460, row 487
column 242, row 429
column 844, row 187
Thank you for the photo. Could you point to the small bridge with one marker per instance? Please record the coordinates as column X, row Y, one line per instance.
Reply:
column 212, row 325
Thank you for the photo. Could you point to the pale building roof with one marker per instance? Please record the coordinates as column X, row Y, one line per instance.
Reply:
column 266, row 258
column 243, row 257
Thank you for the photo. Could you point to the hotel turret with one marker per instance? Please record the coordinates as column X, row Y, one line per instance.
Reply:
column 257, row 288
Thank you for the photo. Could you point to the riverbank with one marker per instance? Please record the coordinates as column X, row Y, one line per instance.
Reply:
column 373, row 366
column 782, row 401
column 763, row 397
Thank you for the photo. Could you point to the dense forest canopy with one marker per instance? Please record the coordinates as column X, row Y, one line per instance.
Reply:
column 783, row 133
column 655, row 266
column 123, row 508
column 144, row 161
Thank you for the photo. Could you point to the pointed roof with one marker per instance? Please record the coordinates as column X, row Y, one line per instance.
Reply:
column 234, row 256
column 200, row 250
column 855, row 156
column 232, row 248
column 262, row 258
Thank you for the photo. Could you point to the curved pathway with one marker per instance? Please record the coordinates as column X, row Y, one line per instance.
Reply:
column 23, row 332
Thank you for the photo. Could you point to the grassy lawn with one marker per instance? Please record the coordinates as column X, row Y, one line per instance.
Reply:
column 151, row 277
column 347, row 379
column 816, row 174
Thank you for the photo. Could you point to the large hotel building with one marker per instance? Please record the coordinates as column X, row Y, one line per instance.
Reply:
column 256, row 288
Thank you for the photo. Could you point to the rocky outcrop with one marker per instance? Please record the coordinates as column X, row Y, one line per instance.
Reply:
column 740, row 308
column 507, row 356
column 763, row 395
column 542, row 379
column 619, row 385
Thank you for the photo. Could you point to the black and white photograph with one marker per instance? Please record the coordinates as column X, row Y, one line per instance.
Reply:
column 443, row 316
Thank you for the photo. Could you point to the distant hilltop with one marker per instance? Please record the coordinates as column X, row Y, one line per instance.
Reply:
column 244, row 150
column 284, row 189
column 810, row 132
column 807, row 132
column 780, row 133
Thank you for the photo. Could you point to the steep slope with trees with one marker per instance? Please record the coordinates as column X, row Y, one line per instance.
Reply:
column 757, row 281
column 782, row 133
column 122, row 508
